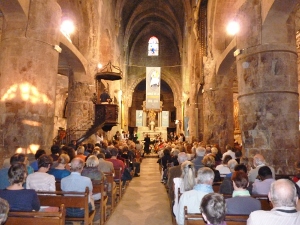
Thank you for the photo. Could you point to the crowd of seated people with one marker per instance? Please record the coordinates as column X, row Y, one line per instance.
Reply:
column 242, row 194
column 74, row 169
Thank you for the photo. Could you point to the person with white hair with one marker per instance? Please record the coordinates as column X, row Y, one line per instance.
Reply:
column 284, row 198
column 200, row 152
column 193, row 198
column 175, row 171
column 186, row 182
column 258, row 161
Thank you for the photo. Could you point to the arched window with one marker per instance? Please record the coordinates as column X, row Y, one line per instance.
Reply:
column 153, row 46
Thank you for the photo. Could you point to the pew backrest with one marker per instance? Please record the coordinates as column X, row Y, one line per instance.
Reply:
column 37, row 218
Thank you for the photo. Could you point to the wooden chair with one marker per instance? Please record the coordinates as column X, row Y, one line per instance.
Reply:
column 69, row 199
column 111, row 190
column 197, row 219
column 99, row 188
column 37, row 218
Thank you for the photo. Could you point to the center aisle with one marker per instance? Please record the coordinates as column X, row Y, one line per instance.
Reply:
column 145, row 200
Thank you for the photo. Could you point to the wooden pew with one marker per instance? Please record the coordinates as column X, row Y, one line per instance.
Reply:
column 264, row 201
column 99, row 188
column 69, row 199
column 216, row 186
column 112, row 190
column 37, row 218
column 118, row 181
column 197, row 219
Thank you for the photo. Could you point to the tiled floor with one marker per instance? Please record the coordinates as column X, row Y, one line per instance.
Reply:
column 145, row 201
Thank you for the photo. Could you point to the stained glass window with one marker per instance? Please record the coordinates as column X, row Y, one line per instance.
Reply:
column 153, row 46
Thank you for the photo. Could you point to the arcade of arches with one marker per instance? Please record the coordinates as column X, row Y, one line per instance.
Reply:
column 242, row 87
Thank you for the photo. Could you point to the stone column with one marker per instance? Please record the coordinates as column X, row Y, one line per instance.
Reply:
column 268, row 86
column 80, row 108
column 218, row 116
column 28, row 68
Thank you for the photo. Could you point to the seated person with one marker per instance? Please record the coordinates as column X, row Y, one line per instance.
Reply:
column 241, row 201
column 34, row 164
column 283, row 196
column 60, row 170
column 213, row 209
column 258, row 161
column 223, row 168
column 192, row 198
column 19, row 199
column 41, row 180
column 4, row 208
column 76, row 182
column 262, row 185
column 231, row 165
column 105, row 97
column 92, row 171
column 227, row 188
column 186, row 182
column 18, row 157
column 209, row 161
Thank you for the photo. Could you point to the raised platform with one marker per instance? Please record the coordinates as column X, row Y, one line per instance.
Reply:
column 142, row 131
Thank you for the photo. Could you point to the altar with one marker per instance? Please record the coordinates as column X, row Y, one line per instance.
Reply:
column 153, row 122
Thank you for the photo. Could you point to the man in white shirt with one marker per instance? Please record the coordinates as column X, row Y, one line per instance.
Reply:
column 258, row 161
column 284, row 198
column 192, row 198
column 229, row 152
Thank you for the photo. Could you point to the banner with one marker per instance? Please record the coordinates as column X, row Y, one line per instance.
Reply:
column 152, row 87
column 165, row 118
column 139, row 118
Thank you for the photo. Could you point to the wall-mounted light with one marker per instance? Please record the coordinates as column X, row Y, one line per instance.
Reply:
column 233, row 28
column 67, row 28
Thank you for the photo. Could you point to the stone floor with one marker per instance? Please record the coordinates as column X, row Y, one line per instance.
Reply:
column 145, row 200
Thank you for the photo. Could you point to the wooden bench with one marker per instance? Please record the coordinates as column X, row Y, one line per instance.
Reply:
column 111, row 190
column 118, row 181
column 197, row 219
column 37, row 218
column 99, row 188
column 216, row 186
column 264, row 201
column 69, row 199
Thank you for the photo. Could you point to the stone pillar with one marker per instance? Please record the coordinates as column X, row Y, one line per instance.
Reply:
column 218, row 116
column 80, row 108
column 268, row 86
column 28, row 68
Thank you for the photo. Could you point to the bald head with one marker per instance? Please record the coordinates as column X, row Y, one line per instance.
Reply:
column 77, row 165
column 283, row 193
column 258, row 160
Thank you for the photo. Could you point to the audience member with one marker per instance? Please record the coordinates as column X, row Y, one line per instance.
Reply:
column 34, row 164
column 200, row 152
column 231, row 165
column 227, row 188
column 132, row 157
column 105, row 166
column 241, row 201
column 258, row 161
column 19, row 199
column 55, row 151
column 186, row 182
column 76, row 182
column 80, row 153
column 262, row 185
column 174, row 172
column 60, row 170
column 192, row 198
column 209, row 161
column 223, row 168
column 283, row 197
column 17, row 157
column 4, row 208
column 228, row 152
column 41, row 180
column 213, row 209
column 92, row 171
